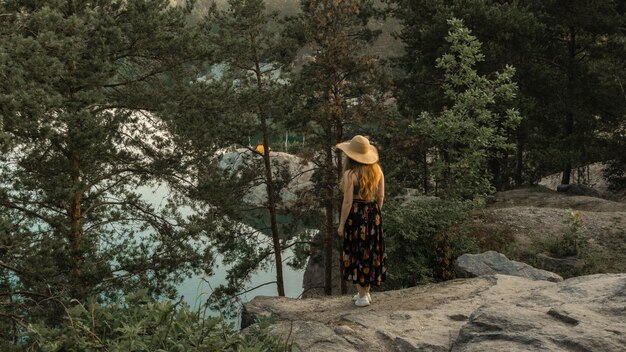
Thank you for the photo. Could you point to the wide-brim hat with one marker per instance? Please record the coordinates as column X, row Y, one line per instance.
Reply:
column 359, row 149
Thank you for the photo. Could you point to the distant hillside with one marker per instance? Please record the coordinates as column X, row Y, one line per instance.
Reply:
column 289, row 7
column 385, row 45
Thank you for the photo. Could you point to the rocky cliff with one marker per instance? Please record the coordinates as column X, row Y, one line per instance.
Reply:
column 487, row 313
column 289, row 169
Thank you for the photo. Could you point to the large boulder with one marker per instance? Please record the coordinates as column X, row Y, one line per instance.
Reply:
column 491, row 262
column 487, row 313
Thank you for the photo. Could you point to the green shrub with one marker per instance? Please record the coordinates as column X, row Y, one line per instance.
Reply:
column 140, row 323
column 419, row 243
column 573, row 241
column 571, row 253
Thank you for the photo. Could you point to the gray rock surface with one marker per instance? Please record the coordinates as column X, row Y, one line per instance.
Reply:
column 313, row 277
column 487, row 313
column 297, row 172
column 491, row 262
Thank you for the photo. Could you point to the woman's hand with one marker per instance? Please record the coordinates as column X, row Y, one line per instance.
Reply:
column 340, row 231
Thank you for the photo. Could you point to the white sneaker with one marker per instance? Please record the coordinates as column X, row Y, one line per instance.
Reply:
column 362, row 301
column 356, row 296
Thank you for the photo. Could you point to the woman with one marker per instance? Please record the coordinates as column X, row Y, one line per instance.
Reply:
column 360, row 223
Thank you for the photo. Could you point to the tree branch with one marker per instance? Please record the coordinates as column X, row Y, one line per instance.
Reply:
column 254, row 288
column 13, row 269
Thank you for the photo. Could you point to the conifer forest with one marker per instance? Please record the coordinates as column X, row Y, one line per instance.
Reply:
column 231, row 109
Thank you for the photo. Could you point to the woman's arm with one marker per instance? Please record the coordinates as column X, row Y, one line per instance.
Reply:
column 380, row 194
column 348, row 189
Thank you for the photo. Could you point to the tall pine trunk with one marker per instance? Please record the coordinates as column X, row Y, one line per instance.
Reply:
column 269, row 180
column 330, row 228
column 569, row 122
column 76, row 228
column 425, row 175
column 75, row 235
column 519, row 156
column 339, row 168
column 271, row 204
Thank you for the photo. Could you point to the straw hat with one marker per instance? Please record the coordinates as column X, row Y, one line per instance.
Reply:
column 359, row 149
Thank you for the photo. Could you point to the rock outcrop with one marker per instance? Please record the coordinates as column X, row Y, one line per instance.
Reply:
column 491, row 262
column 292, row 170
column 313, row 277
column 486, row 313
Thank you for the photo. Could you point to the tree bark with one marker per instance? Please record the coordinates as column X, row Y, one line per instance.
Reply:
column 269, row 179
column 519, row 156
column 74, row 211
column 76, row 228
column 271, row 204
column 569, row 118
column 330, row 228
column 339, row 168
column 425, row 161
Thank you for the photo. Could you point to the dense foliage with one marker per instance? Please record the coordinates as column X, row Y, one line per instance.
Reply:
column 139, row 323
column 475, row 125
column 79, row 83
column 570, row 71
column 339, row 90
column 415, row 245
column 255, row 74
column 102, row 101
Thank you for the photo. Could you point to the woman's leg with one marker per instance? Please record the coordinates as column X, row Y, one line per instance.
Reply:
column 360, row 290
column 363, row 290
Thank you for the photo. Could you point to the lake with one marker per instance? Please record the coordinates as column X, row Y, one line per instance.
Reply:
column 197, row 289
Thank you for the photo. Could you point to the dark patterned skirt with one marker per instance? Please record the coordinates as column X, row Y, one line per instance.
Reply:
column 364, row 245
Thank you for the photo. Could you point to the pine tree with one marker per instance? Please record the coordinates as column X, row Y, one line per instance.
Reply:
column 508, row 29
column 533, row 37
column 464, row 134
column 82, row 86
column 244, row 94
column 341, row 87
column 584, row 50
column 257, row 58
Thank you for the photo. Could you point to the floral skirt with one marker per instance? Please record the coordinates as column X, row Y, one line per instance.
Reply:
column 364, row 245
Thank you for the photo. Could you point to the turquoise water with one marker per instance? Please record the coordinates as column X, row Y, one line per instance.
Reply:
column 197, row 289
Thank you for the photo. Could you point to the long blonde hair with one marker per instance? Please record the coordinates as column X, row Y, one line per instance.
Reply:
column 368, row 176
